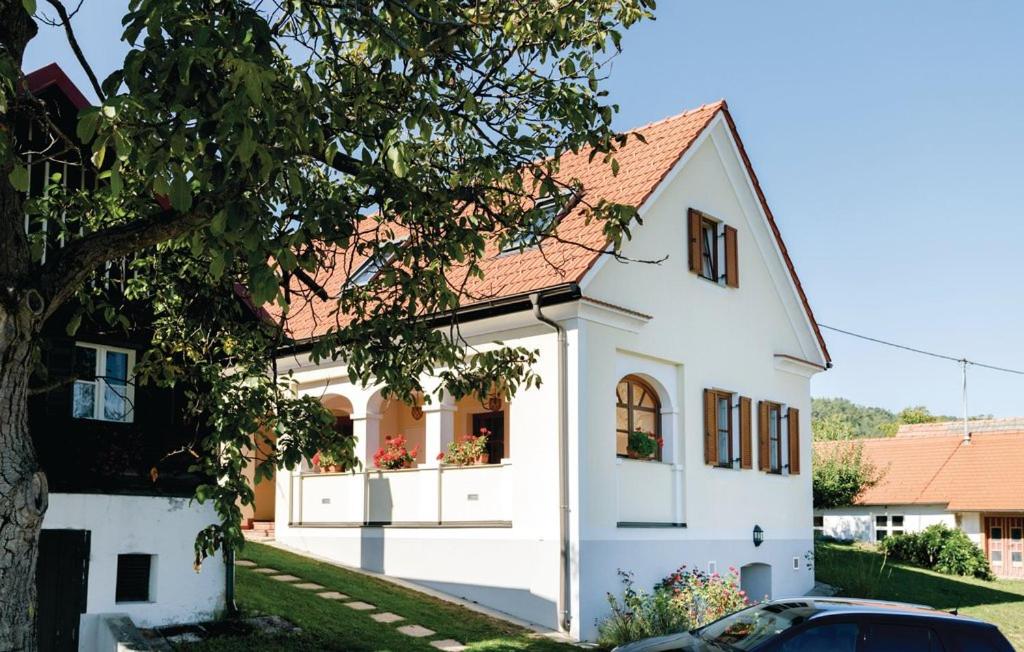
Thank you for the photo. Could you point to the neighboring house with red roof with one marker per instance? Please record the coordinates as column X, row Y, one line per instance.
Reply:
column 933, row 474
column 712, row 350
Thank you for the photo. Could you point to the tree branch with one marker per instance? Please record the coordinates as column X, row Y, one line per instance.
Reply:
column 73, row 42
column 68, row 269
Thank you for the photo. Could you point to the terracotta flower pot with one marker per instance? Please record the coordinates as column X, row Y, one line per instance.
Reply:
column 484, row 458
column 333, row 468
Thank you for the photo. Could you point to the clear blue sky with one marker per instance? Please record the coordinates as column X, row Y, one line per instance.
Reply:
column 889, row 138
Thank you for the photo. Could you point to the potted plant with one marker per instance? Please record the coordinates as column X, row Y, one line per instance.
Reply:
column 472, row 449
column 327, row 461
column 643, row 445
column 394, row 454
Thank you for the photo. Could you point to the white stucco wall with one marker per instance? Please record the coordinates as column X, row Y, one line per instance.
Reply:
column 159, row 526
column 857, row 522
column 702, row 335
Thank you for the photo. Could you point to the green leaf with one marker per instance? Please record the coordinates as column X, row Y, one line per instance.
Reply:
column 29, row 5
column 161, row 187
column 18, row 177
column 116, row 183
column 98, row 154
column 181, row 194
column 247, row 146
column 396, row 161
column 86, row 128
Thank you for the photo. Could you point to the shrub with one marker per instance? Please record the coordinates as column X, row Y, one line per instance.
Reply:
column 938, row 547
column 680, row 602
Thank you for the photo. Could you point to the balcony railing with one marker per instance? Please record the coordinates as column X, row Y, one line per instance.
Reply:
column 450, row 496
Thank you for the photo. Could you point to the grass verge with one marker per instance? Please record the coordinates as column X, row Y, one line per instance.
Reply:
column 864, row 573
column 329, row 625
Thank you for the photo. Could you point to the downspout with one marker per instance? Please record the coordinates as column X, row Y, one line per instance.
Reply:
column 565, row 578
column 229, row 582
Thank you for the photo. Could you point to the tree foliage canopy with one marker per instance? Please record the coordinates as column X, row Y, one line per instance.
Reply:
column 841, row 474
column 242, row 142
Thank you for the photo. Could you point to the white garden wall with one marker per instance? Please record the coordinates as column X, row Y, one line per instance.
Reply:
column 159, row 526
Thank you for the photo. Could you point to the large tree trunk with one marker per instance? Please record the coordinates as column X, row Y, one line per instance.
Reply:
column 23, row 493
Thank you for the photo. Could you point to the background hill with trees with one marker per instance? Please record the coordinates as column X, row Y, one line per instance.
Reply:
column 840, row 418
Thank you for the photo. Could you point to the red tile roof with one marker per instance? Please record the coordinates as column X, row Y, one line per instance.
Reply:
column 985, row 475
column 957, row 427
column 642, row 167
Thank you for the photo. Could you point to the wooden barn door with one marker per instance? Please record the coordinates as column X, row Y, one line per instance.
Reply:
column 62, row 577
column 1004, row 545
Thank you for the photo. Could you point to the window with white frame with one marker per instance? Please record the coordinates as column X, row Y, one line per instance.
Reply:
column 886, row 524
column 103, row 388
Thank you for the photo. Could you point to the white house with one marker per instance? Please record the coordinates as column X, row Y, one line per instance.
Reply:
column 932, row 473
column 712, row 350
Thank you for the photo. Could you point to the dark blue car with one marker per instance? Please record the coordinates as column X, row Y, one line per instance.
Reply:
column 834, row 625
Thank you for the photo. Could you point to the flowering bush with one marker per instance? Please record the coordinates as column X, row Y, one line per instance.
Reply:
column 394, row 455
column 680, row 602
column 705, row 598
column 467, row 451
column 643, row 445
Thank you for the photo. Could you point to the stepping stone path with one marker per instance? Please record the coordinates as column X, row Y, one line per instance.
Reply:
column 309, row 586
column 448, row 645
column 416, row 631
column 384, row 618
column 332, row 595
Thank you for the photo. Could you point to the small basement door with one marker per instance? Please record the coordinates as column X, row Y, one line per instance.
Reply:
column 62, row 579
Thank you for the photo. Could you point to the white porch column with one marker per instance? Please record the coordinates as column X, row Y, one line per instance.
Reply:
column 440, row 430
column 366, row 432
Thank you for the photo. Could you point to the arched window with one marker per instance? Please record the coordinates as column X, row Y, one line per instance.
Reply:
column 637, row 408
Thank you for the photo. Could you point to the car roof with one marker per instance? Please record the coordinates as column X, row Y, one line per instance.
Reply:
column 824, row 607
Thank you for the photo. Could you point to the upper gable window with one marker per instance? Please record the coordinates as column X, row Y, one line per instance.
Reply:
column 543, row 220
column 103, row 389
column 713, row 249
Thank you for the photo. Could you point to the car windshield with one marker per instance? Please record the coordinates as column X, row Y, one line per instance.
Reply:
column 746, row 629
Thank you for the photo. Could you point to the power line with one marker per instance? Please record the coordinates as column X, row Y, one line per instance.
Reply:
column 941, row 356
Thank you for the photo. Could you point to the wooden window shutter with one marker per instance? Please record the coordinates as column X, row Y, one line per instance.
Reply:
column 695, row 241
column 746, row 452
column 710, row 427
column 763, row 463
column 732, row 262
column 793, row 419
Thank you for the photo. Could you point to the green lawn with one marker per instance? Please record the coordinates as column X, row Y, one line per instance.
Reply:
column 863, row 573
column 327, row 625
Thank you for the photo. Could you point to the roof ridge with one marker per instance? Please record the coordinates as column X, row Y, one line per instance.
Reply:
column 718, row 104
